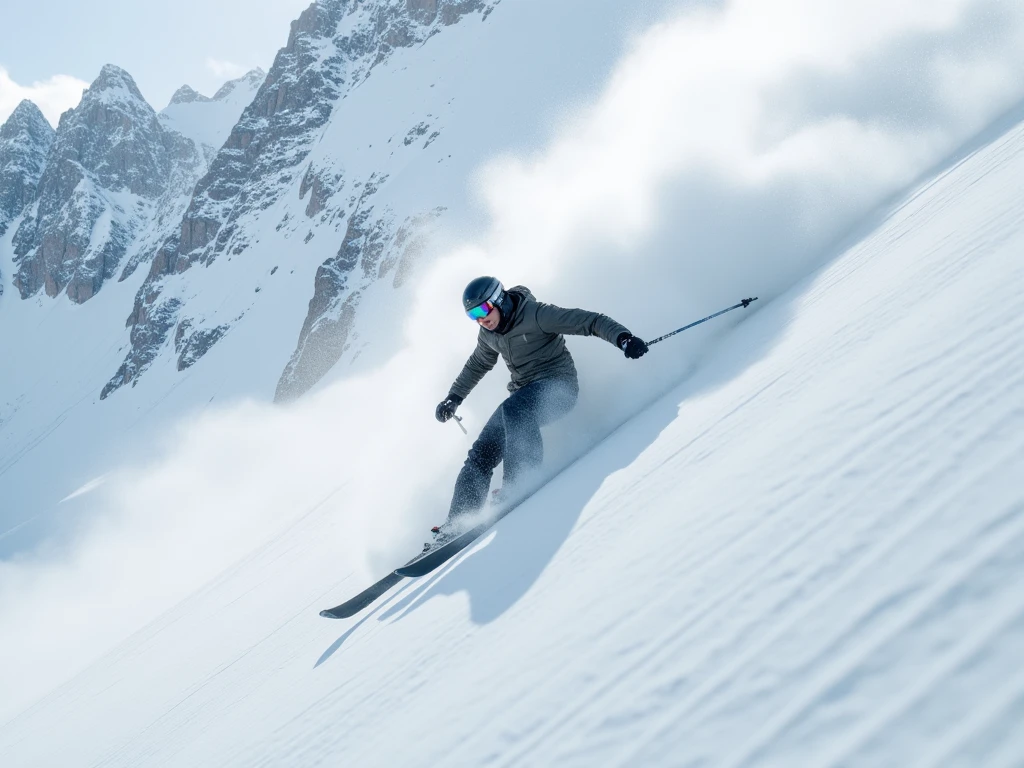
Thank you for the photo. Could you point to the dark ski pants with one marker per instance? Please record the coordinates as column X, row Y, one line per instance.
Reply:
column 512, row 435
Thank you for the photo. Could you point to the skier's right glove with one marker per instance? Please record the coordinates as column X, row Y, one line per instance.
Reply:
column 446, row 408
column 632, row 346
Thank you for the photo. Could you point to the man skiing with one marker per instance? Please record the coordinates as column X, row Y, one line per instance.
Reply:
column 529, row 336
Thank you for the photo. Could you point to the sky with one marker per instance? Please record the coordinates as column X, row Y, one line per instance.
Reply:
column 56, row 54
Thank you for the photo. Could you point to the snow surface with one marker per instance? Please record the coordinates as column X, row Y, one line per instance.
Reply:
column 808, row 553
column 209, row 123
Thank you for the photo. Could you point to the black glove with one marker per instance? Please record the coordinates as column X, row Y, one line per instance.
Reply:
column 446, row 408
column 633, row 346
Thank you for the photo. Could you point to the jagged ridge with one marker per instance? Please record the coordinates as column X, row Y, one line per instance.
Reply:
column 110, row 161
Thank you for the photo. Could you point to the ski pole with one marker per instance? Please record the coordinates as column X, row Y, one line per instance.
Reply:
column 458, row 420
column 744, row 303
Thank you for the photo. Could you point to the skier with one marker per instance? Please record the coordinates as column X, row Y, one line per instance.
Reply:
column 529, row 336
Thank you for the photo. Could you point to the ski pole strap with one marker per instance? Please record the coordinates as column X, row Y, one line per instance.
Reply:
column 743, row 303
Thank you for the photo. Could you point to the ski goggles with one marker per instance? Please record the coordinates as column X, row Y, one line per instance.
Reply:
column 481, row 311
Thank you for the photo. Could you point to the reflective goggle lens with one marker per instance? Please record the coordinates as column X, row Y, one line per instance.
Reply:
column 480, row 312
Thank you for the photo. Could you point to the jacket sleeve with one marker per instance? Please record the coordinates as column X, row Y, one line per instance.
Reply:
column 578, row 322
column 480, row 362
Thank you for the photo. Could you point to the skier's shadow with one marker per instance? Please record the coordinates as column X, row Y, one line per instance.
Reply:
column 518, row 549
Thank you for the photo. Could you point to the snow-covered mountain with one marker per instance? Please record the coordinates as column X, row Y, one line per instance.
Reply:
column 332, row 50
column 208, row 121
column 116, row 178
column 106, row 171
column 25, row 140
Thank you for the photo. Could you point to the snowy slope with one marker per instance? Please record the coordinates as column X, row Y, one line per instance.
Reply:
column 808, row 553
column 208, row 121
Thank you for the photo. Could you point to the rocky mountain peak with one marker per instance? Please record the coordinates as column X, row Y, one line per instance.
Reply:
column 111, row 79
column 187, row 95
column 27, row 119
column 318, row 20
column 25, row 140
column 110, row 144
column 251, row 80
column 115, row 135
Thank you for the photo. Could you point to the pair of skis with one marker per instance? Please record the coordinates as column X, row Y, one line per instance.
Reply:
column 420, row 565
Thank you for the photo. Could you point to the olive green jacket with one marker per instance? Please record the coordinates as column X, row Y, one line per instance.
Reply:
column 533, row 346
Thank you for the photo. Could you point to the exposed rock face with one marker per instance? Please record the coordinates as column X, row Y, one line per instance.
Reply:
column 192, row 345
column 193, row 131
column 375, row 246
column 273, row 134
column 110, row 161
column 373, row 249
column 320, row 188
column 25, row 141
column 332, row 47
column 150, row 325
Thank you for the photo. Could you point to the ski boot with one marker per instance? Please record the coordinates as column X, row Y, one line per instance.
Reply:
column 442, row 535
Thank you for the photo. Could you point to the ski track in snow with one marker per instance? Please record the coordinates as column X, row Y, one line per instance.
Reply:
column 808, row 554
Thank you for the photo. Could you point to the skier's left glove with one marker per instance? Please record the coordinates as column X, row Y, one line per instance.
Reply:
column 446, row 408
column 633, row 346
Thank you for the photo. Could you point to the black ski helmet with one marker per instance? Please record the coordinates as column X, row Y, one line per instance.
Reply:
column 482, row 289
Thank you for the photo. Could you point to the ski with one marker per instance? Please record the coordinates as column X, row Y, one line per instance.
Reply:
column 354, row 605
column 434, row 558
column 420, row 565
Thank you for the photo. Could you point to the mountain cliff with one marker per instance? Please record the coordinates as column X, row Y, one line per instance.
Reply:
column 332, row 49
